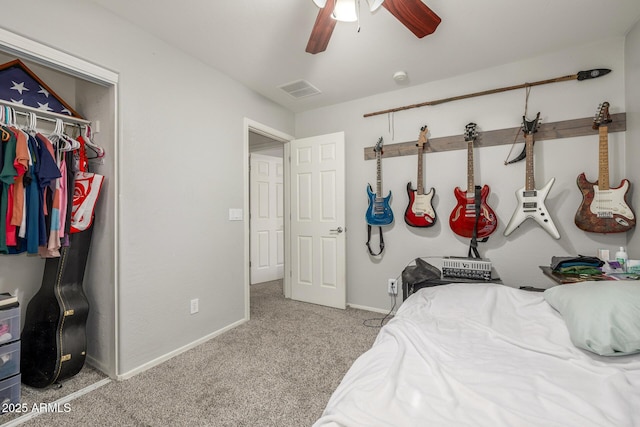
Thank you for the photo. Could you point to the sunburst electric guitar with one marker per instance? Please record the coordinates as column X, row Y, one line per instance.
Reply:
column 420, row 212
column 466, row 217
column 604, row 209
column 531, row 201
column 379, row 212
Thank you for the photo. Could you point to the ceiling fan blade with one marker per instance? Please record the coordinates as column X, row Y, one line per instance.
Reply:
column 414, row 15
column 322, row 29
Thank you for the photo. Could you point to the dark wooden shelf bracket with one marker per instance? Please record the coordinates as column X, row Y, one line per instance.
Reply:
column 546, row 131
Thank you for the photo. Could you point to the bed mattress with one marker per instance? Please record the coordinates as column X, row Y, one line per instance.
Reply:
column 483, row 355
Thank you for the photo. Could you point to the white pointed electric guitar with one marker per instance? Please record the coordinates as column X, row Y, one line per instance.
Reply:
column 531, row 201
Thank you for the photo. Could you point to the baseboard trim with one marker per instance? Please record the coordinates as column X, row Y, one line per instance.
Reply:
column 58, row 405
column 98, row 365
column 165, row 357
column 375, row 310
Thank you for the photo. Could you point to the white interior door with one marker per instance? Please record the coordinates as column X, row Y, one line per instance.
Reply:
column 267, row 207
column 318, row 240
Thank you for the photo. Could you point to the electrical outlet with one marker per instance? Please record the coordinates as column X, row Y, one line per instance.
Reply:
column 194, row 306
column 392, row 287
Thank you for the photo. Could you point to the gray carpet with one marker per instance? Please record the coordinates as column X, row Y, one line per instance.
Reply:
column 278, row 369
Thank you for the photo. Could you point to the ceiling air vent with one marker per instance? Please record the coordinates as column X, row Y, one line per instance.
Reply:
column 300, row 89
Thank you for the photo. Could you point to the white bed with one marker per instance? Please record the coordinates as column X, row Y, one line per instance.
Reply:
column 486, row 355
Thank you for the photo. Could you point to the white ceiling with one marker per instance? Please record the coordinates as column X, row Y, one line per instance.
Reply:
column 261, row 43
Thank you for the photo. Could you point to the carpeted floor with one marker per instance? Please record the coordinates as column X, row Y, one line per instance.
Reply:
column 278, row 369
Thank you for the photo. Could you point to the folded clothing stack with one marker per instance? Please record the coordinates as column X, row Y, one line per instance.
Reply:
column 584, row 265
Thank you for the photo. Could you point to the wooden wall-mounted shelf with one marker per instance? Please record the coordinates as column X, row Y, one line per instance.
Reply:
column 546, row 131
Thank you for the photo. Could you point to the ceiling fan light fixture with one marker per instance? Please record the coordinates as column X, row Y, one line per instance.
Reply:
column 345, row 11
column 320, row 3
column 374, row 4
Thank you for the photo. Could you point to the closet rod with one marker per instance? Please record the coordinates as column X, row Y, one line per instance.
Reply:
column 45, row 115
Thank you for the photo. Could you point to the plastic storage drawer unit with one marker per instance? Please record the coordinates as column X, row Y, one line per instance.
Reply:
column 9, row 359
column 9, row 325
column 9, row 393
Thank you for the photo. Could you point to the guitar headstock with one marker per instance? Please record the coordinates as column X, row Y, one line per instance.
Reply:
column 378, row 147
column 602, row 116
column 530, row 127
column 422, row 138
column 470, row 132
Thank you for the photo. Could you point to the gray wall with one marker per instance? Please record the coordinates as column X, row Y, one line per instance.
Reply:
column 181, row 169
column 632, row 87
column 516, row 258
column 177, row 182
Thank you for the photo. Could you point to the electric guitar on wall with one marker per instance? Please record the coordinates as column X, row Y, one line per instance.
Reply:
column 603, row 209
column 379, row 212
column 531, row 201
column 420, row 212
column 466, row 216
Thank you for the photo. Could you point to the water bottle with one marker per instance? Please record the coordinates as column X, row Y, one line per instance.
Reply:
column 622, row 258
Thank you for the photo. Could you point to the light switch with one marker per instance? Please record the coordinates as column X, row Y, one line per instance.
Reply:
column 235, row 214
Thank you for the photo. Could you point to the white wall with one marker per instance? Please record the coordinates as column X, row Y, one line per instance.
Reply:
column 181, row 169
column 632, row 88
column 517, row 257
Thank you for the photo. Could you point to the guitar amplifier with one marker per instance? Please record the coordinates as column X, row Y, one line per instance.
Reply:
column 466, row 268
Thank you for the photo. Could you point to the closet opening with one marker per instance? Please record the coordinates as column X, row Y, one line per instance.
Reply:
column 92, row 92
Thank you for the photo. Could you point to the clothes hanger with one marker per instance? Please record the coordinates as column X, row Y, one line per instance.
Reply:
column 56, row 139
column 32, row 123
column 86, row 137
column 63, row 141
column 5, row 135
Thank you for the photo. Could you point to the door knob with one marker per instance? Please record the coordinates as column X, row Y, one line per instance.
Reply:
column 338, row 230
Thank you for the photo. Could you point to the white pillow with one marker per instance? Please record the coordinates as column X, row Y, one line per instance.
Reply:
column 602, row 316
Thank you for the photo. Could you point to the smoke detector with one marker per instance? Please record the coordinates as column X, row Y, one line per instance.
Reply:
column 400, row 76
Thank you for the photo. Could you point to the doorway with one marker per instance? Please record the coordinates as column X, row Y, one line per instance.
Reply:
column 266, row 208
column 265, row 249
column 314, row 243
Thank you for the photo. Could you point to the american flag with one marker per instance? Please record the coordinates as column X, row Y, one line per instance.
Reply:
column 20, row 86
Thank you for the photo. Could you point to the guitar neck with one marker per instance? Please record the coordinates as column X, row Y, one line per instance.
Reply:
column 379, row 175
column 470, row 183
column 420, row 189
column 603, row 158
column 530, row 183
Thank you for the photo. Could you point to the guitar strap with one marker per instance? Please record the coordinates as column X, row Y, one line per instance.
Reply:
column 473, row 246
column 369, row 239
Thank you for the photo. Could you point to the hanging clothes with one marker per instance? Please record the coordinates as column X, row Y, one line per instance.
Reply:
column 7, row 176
column 40, row 201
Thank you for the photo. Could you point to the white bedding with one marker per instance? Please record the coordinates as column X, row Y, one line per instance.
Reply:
column 483, row 355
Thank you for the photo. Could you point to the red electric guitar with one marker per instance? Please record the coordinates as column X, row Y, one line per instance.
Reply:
column 604, row 209
column 466, row 217
column 420, row 212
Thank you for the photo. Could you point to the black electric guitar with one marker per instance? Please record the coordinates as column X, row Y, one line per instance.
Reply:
column 466, row 217
column 604, row 209
column 379, row 212
column 530, row 200
column 420, row 212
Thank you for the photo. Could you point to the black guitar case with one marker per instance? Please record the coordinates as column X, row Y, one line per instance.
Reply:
column 54, row 337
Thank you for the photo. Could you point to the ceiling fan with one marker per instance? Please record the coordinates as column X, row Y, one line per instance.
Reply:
column 413, row 14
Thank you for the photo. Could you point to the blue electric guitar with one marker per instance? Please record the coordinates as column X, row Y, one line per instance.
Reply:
column 379, row 212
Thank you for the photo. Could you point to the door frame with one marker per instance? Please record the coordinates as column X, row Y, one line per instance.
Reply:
column 257, row 127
